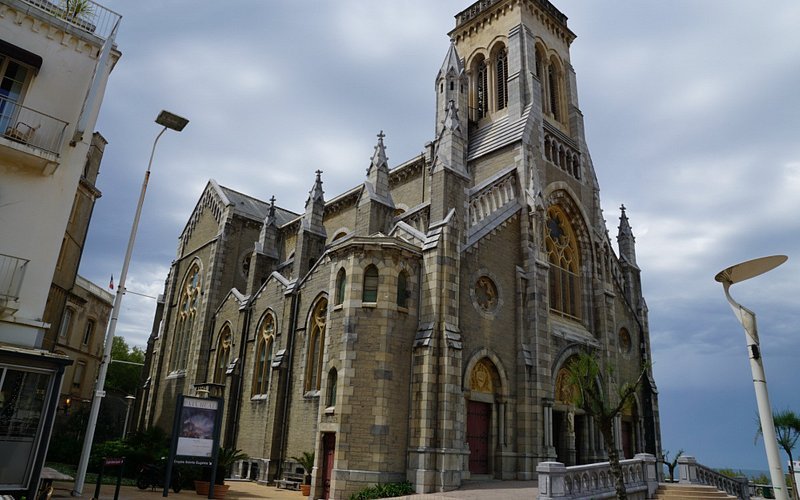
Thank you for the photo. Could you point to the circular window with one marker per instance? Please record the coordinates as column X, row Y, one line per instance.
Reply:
column 486, row 294
column 625, row 343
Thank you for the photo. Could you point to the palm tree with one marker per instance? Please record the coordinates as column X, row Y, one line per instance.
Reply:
column 307, row 463
column 583, row 373
column 787, row 432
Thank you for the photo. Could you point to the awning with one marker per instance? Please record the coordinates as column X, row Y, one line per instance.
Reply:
column 20, row 54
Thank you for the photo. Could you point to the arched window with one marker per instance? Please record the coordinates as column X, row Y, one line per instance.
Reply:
column 262, row 370
column 223, row 354
column 540, row 71
column 188, row 302
column 88, row 333
column 481, row 89
column 402, row 289
column 330, row 399
column 501, row 70
column 66, row 323
column 341, row 283
column 564, row 274
column 316, row 343
column 370, row 291
column 555, row 91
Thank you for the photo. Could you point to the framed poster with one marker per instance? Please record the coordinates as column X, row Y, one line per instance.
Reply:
column 195, row 433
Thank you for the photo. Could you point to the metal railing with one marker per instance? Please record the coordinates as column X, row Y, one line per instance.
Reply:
column 83, row 14
column 12, row 272
column 28, row 126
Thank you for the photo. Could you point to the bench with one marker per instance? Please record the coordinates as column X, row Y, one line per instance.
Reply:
column 290, row 481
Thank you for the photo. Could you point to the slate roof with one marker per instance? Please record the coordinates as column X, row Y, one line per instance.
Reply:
column 255, row 208
column 496, row 135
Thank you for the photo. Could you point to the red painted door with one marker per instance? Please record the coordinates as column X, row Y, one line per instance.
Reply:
column 478, row 416
column 328, row 447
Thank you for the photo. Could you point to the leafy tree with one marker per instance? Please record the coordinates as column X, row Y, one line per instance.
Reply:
column 584, row 371
column 124, row 377
column 787, row 432
column 671, row 464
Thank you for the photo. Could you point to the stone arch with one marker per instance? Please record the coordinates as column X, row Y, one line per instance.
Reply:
column 486, row 389
column 502, row 374
column 575, row 438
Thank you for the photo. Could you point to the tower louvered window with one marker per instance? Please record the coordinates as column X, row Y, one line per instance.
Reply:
column 501, row 65
column 564, row 273
column 481, row 90
column 555, row 91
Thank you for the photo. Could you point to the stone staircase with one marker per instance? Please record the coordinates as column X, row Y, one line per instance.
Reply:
column 687, row 491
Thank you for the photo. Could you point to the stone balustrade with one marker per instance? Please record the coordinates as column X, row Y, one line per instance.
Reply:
column 595, row 480
column 689, row 471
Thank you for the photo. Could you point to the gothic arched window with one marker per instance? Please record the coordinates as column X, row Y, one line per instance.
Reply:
column 370, row 290
column 263, row 360
column 330, row 399
column 188, row 302
column 564, row 258
column 501, row 69
column 223, row 354
column 316, row 343
column 341, row 283
column 402, row 289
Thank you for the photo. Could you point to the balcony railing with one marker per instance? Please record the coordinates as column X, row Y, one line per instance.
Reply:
column 12, row 272
column 83, row 14
column 27, row 126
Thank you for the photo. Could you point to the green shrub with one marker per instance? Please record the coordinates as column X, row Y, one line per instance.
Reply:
column 387, row 490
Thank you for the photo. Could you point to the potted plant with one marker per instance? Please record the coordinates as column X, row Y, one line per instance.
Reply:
column 307, row 463
column 225, row 459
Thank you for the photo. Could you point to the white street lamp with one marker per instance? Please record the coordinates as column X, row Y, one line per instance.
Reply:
column 168, row 121
column 747, row 318
column 128, row 402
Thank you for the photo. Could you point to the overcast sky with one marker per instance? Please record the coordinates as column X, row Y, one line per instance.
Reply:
column 691, row 113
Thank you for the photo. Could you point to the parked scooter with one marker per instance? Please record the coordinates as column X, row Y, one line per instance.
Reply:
column 152, row 476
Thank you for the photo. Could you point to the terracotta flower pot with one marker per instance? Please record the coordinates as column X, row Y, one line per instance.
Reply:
column 202, row 487
column 305, row 489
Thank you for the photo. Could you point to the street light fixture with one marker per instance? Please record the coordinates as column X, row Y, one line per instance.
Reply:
column 128, row 402
column 168, row 121
column 729, row 276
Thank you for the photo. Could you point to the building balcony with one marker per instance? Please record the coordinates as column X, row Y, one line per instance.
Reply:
column 85, row 15
column 12, row 273
column 28, row 138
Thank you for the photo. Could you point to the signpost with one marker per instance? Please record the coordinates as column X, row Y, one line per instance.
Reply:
column 195, row 436
column 118, row 462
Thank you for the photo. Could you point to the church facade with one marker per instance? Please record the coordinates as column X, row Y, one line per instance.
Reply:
column 417, row 327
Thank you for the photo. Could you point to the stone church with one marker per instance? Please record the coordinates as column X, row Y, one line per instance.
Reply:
column 417, row 326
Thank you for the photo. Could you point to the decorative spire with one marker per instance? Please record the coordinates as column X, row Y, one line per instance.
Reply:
column 451, row 62
column 316, row 193
column 271, row 213
column 315, row 207
column 625, row 238
column 379, row 159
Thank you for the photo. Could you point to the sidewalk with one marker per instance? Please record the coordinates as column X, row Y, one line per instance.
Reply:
column 478, row 490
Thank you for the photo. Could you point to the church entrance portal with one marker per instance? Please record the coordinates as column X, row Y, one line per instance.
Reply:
column 478, row 417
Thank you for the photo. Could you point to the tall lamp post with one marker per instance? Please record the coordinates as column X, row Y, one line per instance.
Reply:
column 729, row 276
column 168, row 121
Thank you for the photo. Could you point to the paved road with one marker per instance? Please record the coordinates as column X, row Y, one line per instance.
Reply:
column 505, row 490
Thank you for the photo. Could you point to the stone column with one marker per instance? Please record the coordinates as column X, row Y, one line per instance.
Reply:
column 547, row 431
column 551, row 480
column 687, row 469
